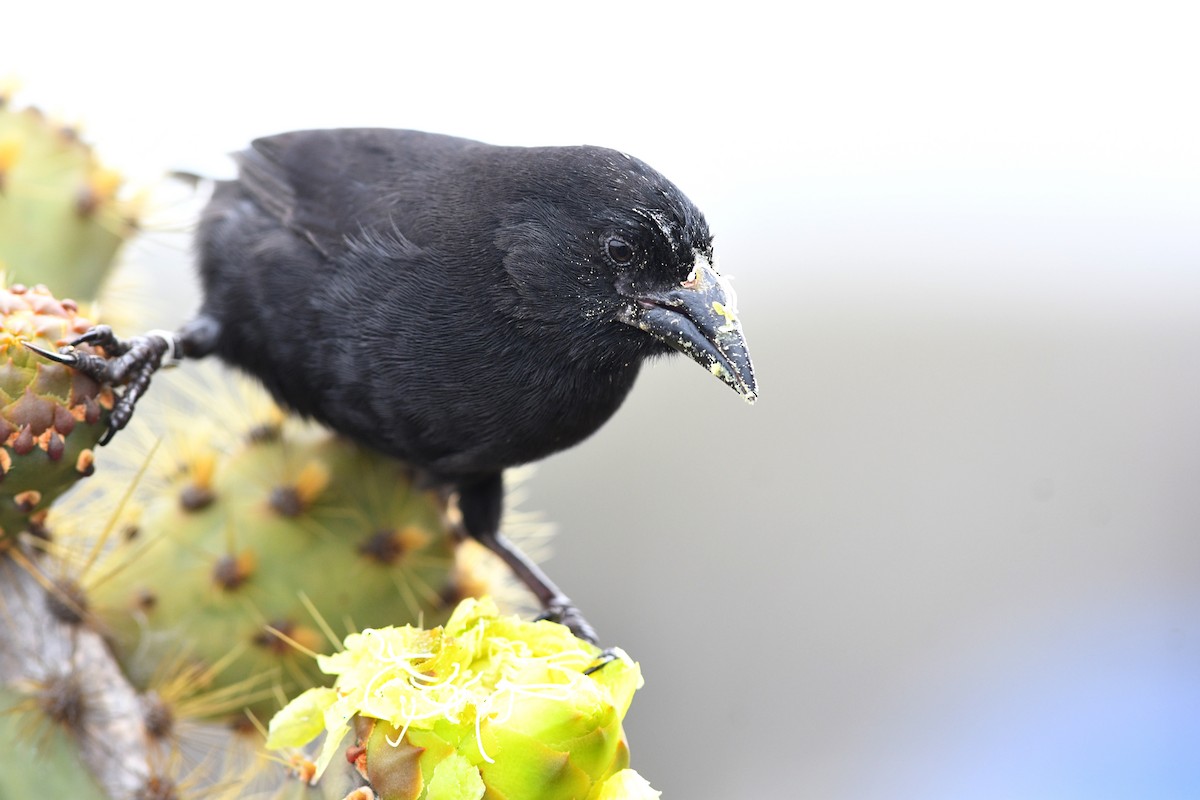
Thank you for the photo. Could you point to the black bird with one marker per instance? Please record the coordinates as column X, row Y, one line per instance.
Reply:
column 461, row 306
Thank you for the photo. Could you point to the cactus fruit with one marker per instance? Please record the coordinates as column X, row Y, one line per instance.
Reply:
column 488, row 706
column 50, row 416
column 61, row 222
column 255, row 546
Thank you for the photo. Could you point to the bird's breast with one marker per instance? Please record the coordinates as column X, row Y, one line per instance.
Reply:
column 535, row 410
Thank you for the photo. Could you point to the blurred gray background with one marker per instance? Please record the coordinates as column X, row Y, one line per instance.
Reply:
column 954, row 550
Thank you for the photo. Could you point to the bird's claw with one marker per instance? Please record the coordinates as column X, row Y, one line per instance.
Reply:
column 605, row 658
column 565, row 613
column 102, row 336
column 128, row 363
column 64, row 356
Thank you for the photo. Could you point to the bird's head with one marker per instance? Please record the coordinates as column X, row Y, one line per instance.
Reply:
column 603, row 243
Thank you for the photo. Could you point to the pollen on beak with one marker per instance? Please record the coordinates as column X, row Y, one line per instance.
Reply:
column 699, row 318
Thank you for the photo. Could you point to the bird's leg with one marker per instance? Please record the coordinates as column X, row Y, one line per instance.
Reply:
column 131, row 362
column 481, row 504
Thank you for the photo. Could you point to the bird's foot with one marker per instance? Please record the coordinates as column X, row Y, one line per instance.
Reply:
column 128, row 363
column 565, row 613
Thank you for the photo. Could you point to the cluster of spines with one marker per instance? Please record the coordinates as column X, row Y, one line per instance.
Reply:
column 63, row 700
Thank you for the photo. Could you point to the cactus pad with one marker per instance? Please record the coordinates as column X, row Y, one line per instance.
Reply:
column 256, row 543
column 61, row 222
column 50, row 416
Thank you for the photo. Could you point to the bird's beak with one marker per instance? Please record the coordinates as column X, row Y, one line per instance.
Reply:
column 699, row 318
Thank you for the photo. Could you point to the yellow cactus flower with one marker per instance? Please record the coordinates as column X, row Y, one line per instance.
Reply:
column 486, row 704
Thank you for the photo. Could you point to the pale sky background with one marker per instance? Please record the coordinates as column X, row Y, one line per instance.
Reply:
column 954, row 551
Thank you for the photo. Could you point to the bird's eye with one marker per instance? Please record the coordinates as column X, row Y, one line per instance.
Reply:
column 619, row 251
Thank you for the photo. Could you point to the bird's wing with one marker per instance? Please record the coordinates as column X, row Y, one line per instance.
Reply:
column 331, row 185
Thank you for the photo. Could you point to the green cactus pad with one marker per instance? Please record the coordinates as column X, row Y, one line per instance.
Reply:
column 251, row 547
column 50, row 416
column 61, row 222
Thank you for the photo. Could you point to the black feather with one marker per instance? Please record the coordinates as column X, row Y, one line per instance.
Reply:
column 461, row 306
column 439, row 299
